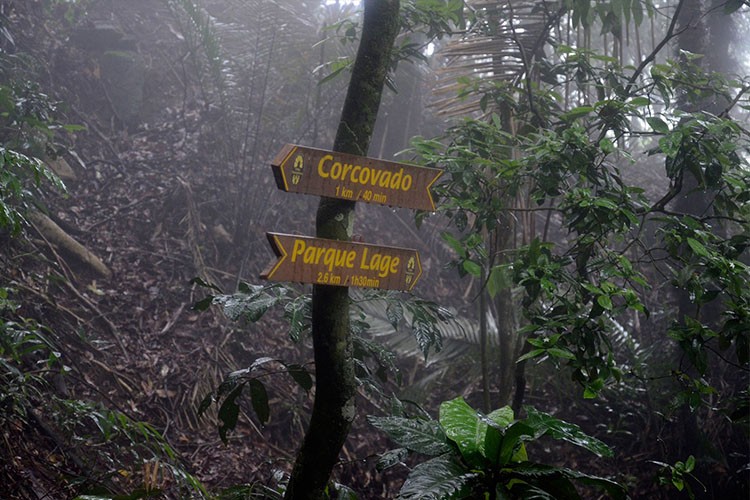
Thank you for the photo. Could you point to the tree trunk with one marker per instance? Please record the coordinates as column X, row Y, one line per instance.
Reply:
column 334, row 407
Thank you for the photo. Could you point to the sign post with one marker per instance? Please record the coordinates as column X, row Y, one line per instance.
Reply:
column 300, row 169
column 321, row 261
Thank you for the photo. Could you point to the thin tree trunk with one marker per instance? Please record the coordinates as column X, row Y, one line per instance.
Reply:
column 334, row 408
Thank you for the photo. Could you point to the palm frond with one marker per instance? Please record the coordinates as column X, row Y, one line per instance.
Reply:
column 499, row 47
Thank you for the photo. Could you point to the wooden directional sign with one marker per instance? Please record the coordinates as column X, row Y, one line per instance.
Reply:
column 342, row 263
column 300, row 169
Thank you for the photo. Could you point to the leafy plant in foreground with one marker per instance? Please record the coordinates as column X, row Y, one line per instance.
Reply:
column 676, row 475
column 373, row 361
column 484, row 456
column 226, row 396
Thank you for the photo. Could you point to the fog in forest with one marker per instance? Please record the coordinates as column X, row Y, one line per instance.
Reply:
column 558, row 310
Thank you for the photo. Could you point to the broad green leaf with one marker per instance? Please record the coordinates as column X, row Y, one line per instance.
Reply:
column 556, row 480
column 493, row 438
column 542, row 423
column 538, row 481
column 512, row 441
column 461, row 424
column 336, row 68
column 443, row 477
column 422, row 436
column 502, row 416
column 678, row 482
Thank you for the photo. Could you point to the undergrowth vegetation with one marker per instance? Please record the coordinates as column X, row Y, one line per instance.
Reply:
column 594, row 206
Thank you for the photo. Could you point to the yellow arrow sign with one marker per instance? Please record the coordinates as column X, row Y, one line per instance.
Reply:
column 299, row 169
column 321, row 261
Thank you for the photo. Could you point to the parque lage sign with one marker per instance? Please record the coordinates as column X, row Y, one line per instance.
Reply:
column 300, row 169
column 342, row 263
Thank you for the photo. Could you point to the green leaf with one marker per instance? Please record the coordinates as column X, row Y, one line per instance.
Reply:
column 690, row 464
column 461, row 424
column 512, row 441
column 301, row 376
column 425, row 334
column 605, row 301
column 502, row 416
column 606, row 145
column 559, row 429
column 589, row 393
column 557, row 352
column 250, row 306
column 640, row 101
column 456, row 245
column 229, row 411
column 205, row 404
column 556, row 480
column 532, row 354
column 472, row 268
column 203, row 304
column 498, row 280
column 658, row 125
column 422, row 436
column 296, row 312
column 577, row 112
column 697, row 247
column 259, row 399
column 443, row 477
column 395, row 313
column 391, row 458
column 336, row 68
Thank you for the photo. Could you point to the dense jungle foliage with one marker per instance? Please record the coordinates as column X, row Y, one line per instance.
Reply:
column 582, row 328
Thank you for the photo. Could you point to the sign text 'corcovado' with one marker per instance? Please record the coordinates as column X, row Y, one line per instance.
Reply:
column 301, row 169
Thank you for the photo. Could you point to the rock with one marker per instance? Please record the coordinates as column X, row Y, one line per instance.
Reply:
column 123, row 74
column 62, row 168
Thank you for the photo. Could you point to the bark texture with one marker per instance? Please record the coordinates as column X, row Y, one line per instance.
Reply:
column 334, row 407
